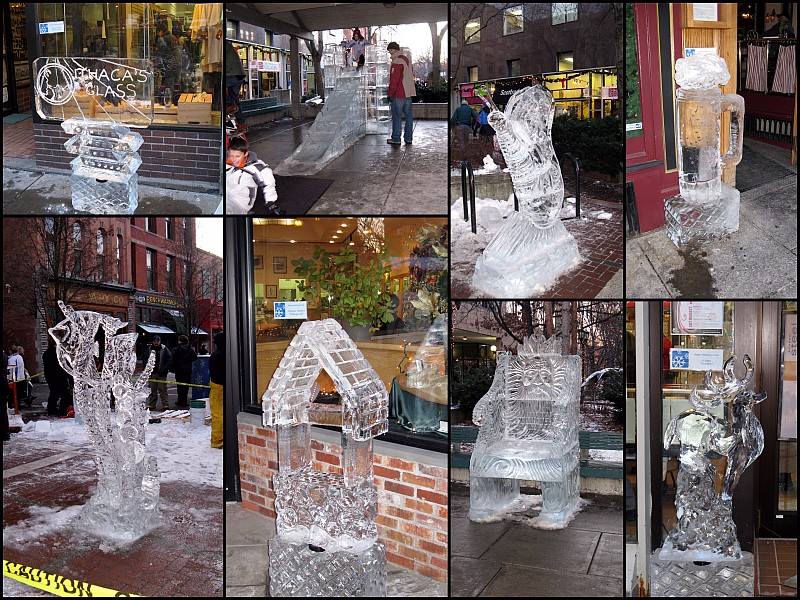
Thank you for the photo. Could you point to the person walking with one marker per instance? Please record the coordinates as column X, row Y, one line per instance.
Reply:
column 463, row 118
column 5, row 393
column 16, row 367
column 159, row 375
column 485, row 130
column 216, row 368
column 182, row 359
column 57, row 382
column 401, row 91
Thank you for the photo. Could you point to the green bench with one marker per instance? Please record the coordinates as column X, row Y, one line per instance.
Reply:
column 589, row 440
column 258, row 106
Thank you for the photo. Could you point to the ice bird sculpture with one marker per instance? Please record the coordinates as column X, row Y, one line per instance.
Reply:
column 533, row 248
column 124, row 505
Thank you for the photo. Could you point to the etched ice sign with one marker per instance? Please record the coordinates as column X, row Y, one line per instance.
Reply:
column 98, row 100
column 124, row 505
column 533, row 248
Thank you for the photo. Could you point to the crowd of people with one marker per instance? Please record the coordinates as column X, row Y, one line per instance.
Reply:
column 467, row 122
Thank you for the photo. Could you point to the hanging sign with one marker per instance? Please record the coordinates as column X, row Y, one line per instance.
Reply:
column 704, row 11
column 695, row 359
column 119, row 90
column 697, row 318
column 291, row 310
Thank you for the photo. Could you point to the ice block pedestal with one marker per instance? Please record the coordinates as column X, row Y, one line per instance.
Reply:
column 699, row 579
column 104, row 179
column 688, row 221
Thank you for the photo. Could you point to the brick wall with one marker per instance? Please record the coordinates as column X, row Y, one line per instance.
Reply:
column 412, row 497
column 168, row 154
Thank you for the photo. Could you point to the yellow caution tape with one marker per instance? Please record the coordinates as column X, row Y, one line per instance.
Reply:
column 58, row 584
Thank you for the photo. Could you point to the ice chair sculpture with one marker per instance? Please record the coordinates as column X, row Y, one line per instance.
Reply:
column 326, row 542
column 533, row 248
column 98, row 101
column 701, row 555
column 528, row 431
column 706, row 208
column 124, row 505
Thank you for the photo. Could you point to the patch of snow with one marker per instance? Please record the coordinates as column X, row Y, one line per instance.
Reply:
column 43, row 521
column 15, row 589
column 516, row 512
column 603, row 215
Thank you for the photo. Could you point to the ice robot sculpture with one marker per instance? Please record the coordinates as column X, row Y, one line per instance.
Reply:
column 355, row 104
column 124, row 505
column 528, row 431
column 701, row 555
column 327, row 540
column 706, row 208
column 533, row 248
column 98, row 101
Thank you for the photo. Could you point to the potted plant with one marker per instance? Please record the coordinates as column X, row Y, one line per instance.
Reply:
column 353, row 291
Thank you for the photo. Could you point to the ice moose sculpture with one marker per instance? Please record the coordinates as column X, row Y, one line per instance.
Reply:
column 528, row 431
column 326, row 542
column 701, row 555
column 98, row 100
column 533, row 248
column 125, row 504
column 706, row 208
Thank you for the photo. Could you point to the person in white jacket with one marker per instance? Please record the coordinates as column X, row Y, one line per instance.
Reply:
column 249, row 182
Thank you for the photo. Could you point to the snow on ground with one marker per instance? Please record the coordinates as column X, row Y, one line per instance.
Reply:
column 43, row 521
column 14, row 589
column 518, row 511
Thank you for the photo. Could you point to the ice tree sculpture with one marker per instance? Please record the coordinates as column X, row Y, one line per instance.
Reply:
column 701, row 554
column 326, row 543
column 706, row 208
column 533, row 248
column 98, row 101
column 124, row 505
column 528, row 431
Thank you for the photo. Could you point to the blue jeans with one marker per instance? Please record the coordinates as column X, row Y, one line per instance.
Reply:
column 401, row 107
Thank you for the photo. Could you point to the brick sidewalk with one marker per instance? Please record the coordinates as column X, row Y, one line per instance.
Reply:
column 18, row 139
column 183, row 557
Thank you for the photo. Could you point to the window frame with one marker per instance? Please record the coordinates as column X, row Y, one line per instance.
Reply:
column 507, row 10
column 563, row 14
column 474, row 38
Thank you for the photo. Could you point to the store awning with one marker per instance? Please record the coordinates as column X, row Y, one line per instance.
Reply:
column 198, row 331
column 151, row 328
column 175, row 313
column 301, row 19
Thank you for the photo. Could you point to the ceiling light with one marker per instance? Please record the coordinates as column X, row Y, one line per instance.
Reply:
column 339, row 231
column 291, row 241
column 336, row 237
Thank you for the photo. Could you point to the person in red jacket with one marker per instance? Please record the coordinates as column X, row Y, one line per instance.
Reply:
column 401, row 91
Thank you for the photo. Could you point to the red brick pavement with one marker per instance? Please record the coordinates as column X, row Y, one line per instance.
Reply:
column 183, row 557
column 18, row 139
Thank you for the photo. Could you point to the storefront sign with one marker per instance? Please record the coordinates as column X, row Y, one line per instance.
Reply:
column 609, row 93
column 697, row 318
column 687, row 52
column 51, row 27
column 505, row 88
column 155, row 300
column 704, row 11
column 789, row 377
column 252, row 34
column 291, row 310
column 695, row 359
column 265, row 66
column 118, row 90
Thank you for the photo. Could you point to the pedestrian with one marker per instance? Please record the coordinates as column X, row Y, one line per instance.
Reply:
column 57, row 382
column 216, row 368
column 486, row 131
column 203, row 349
column 4, row 391
column 355, row 48
column 464, row 121
column 401, row 91
column 16, row 367
column 182, row 359
column 249, row 182
column 158, row 378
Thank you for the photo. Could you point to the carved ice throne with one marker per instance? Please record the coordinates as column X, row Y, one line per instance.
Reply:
column 529, row 422
column 326, row 543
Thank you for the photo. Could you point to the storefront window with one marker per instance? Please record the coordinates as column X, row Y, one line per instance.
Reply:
column 513, row 20
column 564, row 12
column 787, row 441
column 472, row 31
column 385, row 280
column 183, row 41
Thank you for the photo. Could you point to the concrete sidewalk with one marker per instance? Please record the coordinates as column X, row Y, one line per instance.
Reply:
column 508, row 559
column 759, row 261
column 372, row 177
column 47, row 478
column 29, row 190
column 247, row 560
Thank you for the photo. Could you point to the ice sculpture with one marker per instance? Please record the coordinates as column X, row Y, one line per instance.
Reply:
column 98, row 100
column 533, row 248
column 355, row 105
column 702, row 551
column 427, row 380
column 326, row 543
column 706, row 208
column 124, row 505
column 528, row 431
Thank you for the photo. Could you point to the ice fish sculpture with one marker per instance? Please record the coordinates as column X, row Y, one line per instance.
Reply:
column 532, row 249
column 529, row 431
column 125, row 504
column 327, row 539
column 706, row 208
column 705, row 530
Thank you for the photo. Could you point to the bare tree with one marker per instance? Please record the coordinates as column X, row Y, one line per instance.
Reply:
column 199, row 282
column 436, row 55
column 315, row 48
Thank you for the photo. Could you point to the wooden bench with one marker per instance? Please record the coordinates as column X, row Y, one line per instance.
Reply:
column 589, row 440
